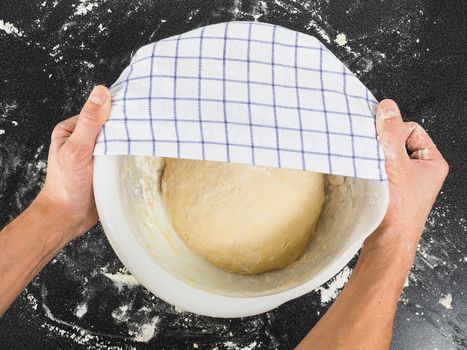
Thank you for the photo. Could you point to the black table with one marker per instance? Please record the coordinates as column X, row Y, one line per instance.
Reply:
column 53, row 51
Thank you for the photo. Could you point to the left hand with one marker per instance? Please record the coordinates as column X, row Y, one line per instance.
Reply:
column 68, row 192
column 416, row 171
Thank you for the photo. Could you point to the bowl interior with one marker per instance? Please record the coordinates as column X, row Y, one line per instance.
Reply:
column 352, row 210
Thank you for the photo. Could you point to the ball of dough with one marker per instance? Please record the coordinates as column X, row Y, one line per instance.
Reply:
column 242, row 218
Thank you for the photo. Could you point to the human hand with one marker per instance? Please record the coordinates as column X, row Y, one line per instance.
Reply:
column 415, row 168
column 68, row 192
column 362, row 316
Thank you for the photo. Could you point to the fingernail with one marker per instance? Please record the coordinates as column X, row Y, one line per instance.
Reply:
column 387, row 109
column 98, row 95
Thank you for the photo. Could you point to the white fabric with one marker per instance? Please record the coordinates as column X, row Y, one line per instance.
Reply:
column 245, row 92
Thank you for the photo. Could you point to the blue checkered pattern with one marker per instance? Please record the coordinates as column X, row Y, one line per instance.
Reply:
column 245, row 92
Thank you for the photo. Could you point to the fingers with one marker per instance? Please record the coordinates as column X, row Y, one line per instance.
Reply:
column 420, row 145
column 408, row 129
column 92, row 117
column 392, row 131
column 61, row 132
column 64, row 128
column 404, row 141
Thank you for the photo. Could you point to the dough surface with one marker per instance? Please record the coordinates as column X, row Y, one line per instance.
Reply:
column 242, row 218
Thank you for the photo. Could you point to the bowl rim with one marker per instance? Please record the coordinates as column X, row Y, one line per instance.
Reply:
column 106, row 183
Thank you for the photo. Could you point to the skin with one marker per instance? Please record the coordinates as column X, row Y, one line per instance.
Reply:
column 64, row 208
column 363, row 314
column 361, row 317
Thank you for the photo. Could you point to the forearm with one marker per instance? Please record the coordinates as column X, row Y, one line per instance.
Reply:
column 27, row 244
column 362, row 316
column 65, row 207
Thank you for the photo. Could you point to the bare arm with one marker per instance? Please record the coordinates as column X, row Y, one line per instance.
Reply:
column 27, row 244
column 63, row 210
column 363, row 314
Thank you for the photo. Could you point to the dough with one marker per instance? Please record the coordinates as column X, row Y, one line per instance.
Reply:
column 242, row 218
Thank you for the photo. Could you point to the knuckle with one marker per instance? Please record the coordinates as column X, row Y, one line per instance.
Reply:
column 442, row 168
column 412, row 125
column 445, row 167
column 57, row 131
column 417, row 128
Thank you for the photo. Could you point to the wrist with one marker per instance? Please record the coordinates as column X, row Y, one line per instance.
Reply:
column 393, row 239
column 53, row 215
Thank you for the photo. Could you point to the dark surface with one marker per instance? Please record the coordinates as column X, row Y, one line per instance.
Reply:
column 411, row 51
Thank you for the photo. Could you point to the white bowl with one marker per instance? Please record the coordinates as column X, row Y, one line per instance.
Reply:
column 134, row 221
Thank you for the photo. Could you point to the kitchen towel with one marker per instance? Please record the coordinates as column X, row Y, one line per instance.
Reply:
column 245, row 92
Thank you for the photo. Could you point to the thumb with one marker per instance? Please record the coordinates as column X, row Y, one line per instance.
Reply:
column 391, row 131
column 92, row 117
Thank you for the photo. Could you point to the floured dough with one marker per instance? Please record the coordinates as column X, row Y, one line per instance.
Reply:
column 242, row 218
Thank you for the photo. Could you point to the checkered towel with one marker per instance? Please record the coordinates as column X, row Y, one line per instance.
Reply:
column 245, row 92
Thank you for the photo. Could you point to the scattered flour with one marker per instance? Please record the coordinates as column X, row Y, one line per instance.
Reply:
column 341, row 39
column 259, row 10
column 84, row 7
column 146, row 331
column 41, row 165
column 88, row 64
column 406, row 283
column 81, row 310
column 178, row 310
column 232, row 346
column 121, row 280
column 32, row 301
column 319, row 30
column 404, row 300
column 9, row 28
column 121, row 313
column 77, row 334
column 331, row 290
column 446, row 301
